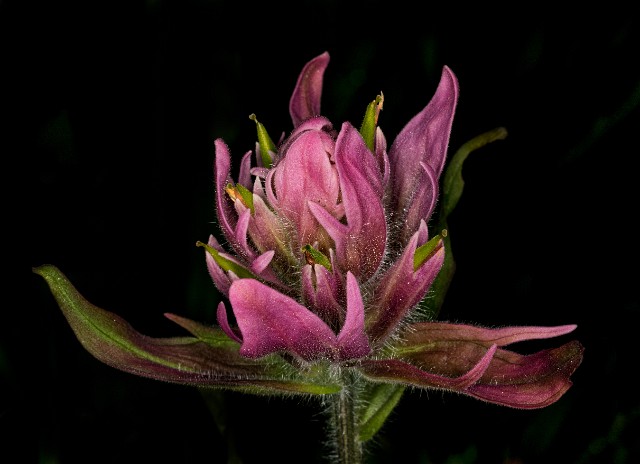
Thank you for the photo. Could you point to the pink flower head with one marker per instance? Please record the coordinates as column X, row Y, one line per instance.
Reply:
column 327, row 254
column 352, row 218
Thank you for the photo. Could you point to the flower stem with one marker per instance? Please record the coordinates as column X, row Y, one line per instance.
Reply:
column 345, row 436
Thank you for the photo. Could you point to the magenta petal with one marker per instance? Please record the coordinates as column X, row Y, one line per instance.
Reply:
column 244, row 176
column 424, row 139
column 271, row 322
column 222, row 168
column 240, row 234
column 382, row 156
column 267, row 230
column 476, row 372
column 321, row 292
column 220, row 278
column 306, row 173
column 254, row 226
column 361, row 243
column 451, row 349
column 419, row 332
column 397, row 370
column 511, row 379
column 313, row 125
column 223, row 322
column 305, row 101
column 423, row 203
column 352, row 340
column 401, row 288
column 259, row 264
column 532, row 381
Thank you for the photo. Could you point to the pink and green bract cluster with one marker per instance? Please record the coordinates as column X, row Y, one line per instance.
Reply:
column 325, row 256
column 325, row 232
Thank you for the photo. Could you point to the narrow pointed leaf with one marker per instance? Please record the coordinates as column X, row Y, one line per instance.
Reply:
column 431, row 306
column 210, row 359
column 267, row 147
column 370, row 122
column 452, row 187
column 379, row 399
column 225, row 263
column 425, row 251
column 453, row 183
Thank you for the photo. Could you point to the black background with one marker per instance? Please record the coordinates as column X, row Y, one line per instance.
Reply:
column 109, row 114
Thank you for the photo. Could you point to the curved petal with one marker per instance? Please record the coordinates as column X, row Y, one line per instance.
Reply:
column 532, row 381
column 382, row 156
column 240, row 232
column 307, row 173
column 222, row 168
column 352, row 340
column 220, row 278
column 267, row 230
column 360, row 244
column 451, row 349
column 430, row 332
column 422, row 204
column 261, row 263
column 401, row 288
column 244, row 176
column 509, row 379
column 223, row 321
column 271, row 322
column 398, row 370
column 424, row 139
column 321, row 290
column 315, row 124
column 305, row 101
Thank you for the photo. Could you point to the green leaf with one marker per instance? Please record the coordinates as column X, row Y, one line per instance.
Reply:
column 314, row 256
column 267, row 147
column 370, row 122
column 380, row 399
column 431, row 305
column 210, row 359
column 240, row 192
column 453, row 183
column 423, row 252
column 452, row 187
column 227, row 264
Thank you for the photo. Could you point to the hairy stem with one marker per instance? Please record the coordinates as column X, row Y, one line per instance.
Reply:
column 344, row 425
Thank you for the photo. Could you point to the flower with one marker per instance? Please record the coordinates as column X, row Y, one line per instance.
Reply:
column 327, row 256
